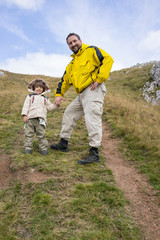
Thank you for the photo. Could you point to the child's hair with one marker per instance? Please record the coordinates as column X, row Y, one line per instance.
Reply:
column 39, row 83
column 36, row 83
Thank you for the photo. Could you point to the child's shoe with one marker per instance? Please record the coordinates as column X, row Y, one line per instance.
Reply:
column 27, row 151
column 44, row 152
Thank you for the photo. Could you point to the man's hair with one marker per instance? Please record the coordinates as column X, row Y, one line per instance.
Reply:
column 72, row 34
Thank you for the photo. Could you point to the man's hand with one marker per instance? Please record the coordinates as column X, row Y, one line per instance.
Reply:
column 25, row 118
column 58, row 101
column 94, row 85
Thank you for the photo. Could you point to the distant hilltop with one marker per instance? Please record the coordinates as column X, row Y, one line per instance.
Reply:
column 150, row 90
column 139, row 65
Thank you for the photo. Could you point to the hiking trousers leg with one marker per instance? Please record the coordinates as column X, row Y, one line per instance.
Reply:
column 92, row 101
column 90, row 104
column 29, row 134
column 70, row 117
column 41, row 135
column 32, row 127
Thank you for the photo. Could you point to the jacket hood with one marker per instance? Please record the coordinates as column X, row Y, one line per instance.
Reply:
column 31, row 86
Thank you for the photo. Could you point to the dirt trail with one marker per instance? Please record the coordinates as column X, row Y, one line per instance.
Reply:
column 143, row 201
column 6, row 175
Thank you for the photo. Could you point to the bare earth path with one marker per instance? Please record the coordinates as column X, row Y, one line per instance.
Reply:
column 143, row 201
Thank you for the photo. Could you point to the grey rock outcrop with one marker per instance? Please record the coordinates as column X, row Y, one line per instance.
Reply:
column 151, row 90
column 1, row 73
column 155, row 73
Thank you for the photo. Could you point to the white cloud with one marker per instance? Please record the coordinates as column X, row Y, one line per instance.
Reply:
column 11, row 27
column 18, row 47
column 10, row 24
column 151, row 41
column 38, row 63
column 80, row 17
column 117, row 66
column 124, row 29
column 25, row 4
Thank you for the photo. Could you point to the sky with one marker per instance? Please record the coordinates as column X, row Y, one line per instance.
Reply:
column 33, row 32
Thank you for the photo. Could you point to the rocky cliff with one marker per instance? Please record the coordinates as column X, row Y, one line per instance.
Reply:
column 151, row 90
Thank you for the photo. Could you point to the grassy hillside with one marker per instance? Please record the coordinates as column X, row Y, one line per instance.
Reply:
column 134, row 120
column 75, row 202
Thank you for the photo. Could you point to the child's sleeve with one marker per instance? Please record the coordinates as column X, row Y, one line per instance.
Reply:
column 50, row 106
column 26, row 106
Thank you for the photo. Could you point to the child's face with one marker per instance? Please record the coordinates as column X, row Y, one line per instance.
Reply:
column 38, row 89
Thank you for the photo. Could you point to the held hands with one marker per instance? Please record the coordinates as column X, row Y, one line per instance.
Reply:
column 58, row 101
column 94, row 85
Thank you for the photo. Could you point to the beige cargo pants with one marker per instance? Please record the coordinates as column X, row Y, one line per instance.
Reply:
column 33, row 126
column 90, row 104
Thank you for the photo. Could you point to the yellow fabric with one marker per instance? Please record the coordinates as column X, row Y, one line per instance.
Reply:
column 90, row 64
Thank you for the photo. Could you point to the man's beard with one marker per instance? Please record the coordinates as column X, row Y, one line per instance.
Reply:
column 75, row 52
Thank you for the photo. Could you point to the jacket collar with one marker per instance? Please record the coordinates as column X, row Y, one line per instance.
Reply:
column 81, row 50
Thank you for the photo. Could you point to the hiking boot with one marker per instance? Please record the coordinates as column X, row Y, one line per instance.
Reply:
column 62, row 145
column 27, row 151
column 90, row 158
column 44, row 152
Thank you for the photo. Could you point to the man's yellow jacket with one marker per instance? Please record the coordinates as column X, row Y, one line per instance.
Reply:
column 90, row 64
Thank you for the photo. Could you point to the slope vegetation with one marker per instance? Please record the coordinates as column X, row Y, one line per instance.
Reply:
column 52, row 197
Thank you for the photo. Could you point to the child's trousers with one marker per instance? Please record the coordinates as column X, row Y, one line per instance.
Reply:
column 33, row 126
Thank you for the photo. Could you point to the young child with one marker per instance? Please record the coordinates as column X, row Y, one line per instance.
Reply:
column 34, row 114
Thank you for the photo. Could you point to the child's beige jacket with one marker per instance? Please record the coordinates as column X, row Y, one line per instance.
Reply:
column 36, row 106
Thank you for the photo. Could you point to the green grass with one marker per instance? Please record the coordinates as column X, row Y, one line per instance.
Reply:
column 66, row 208
column 75, row 202
column 135, row 121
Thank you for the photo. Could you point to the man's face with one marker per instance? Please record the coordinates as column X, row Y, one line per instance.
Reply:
column 74, row 43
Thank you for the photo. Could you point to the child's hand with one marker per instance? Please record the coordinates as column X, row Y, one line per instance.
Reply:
column 58, row 101
column 25, row 119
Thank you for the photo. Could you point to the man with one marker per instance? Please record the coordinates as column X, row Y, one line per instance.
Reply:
column 87, row 72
